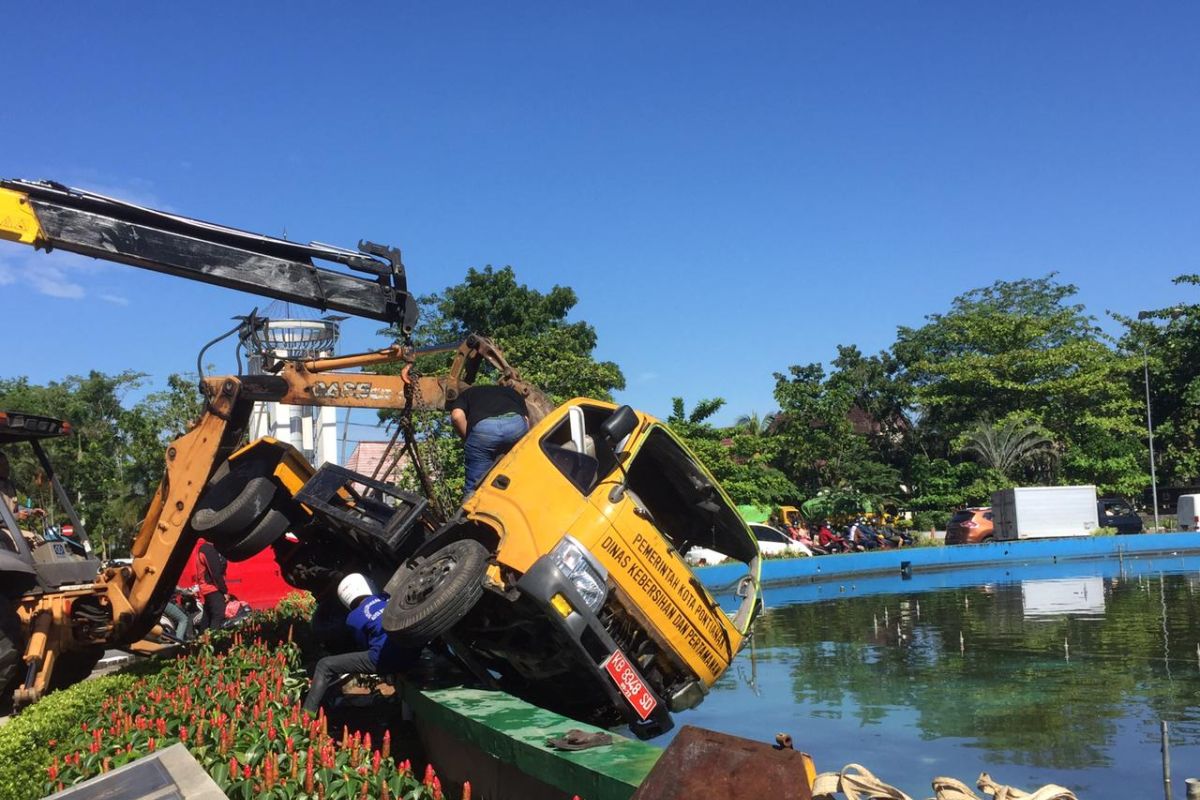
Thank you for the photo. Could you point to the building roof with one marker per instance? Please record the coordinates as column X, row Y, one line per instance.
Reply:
column 366, row 457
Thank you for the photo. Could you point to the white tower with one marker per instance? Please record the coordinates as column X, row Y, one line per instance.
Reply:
column 310, row 429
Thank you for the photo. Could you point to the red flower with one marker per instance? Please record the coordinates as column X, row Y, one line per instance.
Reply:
column 183, row 734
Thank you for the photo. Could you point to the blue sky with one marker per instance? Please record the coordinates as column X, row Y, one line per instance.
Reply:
column 730, row 188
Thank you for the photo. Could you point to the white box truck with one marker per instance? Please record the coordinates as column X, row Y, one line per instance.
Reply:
column 1187, row 512
column 1041, row 512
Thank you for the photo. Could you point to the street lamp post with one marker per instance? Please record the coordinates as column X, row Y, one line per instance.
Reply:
column 1150, row 434
column 1174, row 313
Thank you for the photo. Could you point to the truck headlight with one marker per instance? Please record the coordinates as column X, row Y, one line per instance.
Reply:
column 586, row 574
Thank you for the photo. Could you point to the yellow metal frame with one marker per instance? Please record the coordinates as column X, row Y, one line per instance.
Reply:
column 18, row 222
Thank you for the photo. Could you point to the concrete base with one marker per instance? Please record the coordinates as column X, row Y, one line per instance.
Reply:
column 499, row 743
column 169, row 773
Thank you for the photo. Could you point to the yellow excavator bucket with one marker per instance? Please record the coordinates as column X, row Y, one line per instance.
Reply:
column 18, row 223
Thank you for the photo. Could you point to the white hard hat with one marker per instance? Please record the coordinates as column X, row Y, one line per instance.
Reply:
column 352, row 587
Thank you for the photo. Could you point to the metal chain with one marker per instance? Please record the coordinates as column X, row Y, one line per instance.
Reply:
column 412, row 399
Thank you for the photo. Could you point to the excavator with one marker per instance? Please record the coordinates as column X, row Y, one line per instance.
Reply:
column 560, row 579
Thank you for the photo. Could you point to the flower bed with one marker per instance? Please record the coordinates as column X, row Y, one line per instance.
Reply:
column 235, row 704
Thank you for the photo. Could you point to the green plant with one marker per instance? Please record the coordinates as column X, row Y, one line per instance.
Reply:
column 26, row 738
column 1103, row 532
column 298, row 605
column 233, row 701
column 930, row 520
column 238, row 713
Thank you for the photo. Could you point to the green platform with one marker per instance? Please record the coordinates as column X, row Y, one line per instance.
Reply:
column 468, row 725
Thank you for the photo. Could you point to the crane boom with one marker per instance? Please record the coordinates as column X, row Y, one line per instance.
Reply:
column 49, row 215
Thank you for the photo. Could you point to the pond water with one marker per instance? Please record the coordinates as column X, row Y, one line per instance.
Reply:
column 1052, row 674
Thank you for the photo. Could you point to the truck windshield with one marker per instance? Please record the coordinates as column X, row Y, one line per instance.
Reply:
column 683, row 501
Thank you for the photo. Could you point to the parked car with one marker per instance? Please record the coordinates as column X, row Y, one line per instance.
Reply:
column 771, row 542
column 774, row 542
column 970, row 526
column 1116, row 512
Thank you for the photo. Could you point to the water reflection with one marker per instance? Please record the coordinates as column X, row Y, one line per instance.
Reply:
column 1040, row 679
column 1063, row 597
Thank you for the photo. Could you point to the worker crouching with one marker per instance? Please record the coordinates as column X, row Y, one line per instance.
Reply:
column 381, row 653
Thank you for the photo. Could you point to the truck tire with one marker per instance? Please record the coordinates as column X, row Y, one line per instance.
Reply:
column 232, row 505
column 429, row 596
column 272, row 525
column 11, row 653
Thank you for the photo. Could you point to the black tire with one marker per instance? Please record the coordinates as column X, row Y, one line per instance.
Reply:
column 430, row 595
column 11, row 652
column 231, row 505
column 272, row 525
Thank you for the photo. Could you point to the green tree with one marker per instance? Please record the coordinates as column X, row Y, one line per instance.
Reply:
column 1022, row 347
column 113, row 460
column 532, row 330
column 740, row 460
column 1007, row 446
column 754, row 425
column 827, row 441
column 529, row 326
column 1166, row 342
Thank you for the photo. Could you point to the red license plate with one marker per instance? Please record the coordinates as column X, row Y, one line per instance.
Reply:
column 631, row 684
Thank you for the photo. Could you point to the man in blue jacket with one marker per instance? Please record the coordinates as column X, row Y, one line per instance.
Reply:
column 382, row 654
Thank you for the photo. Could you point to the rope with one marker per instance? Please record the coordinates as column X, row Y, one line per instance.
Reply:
column 856, row 782
column 858, row 785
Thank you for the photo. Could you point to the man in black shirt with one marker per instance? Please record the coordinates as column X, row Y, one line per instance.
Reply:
column 490, row 419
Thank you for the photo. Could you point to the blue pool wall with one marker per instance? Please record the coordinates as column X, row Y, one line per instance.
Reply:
column 930, row 567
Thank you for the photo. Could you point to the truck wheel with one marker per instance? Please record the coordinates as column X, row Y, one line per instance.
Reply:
column 272, row 525
column 11, row 652
column 231, row 505
column 428, row 597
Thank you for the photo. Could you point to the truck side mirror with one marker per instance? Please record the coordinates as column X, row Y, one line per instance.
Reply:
column 619, row 425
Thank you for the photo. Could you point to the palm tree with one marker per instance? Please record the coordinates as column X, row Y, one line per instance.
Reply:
column 753, row 424
column 1007, row 445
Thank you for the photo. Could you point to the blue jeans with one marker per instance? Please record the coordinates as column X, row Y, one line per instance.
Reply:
column 487, row 441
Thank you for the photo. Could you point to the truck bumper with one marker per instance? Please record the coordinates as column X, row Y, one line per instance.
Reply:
column 593, row 646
